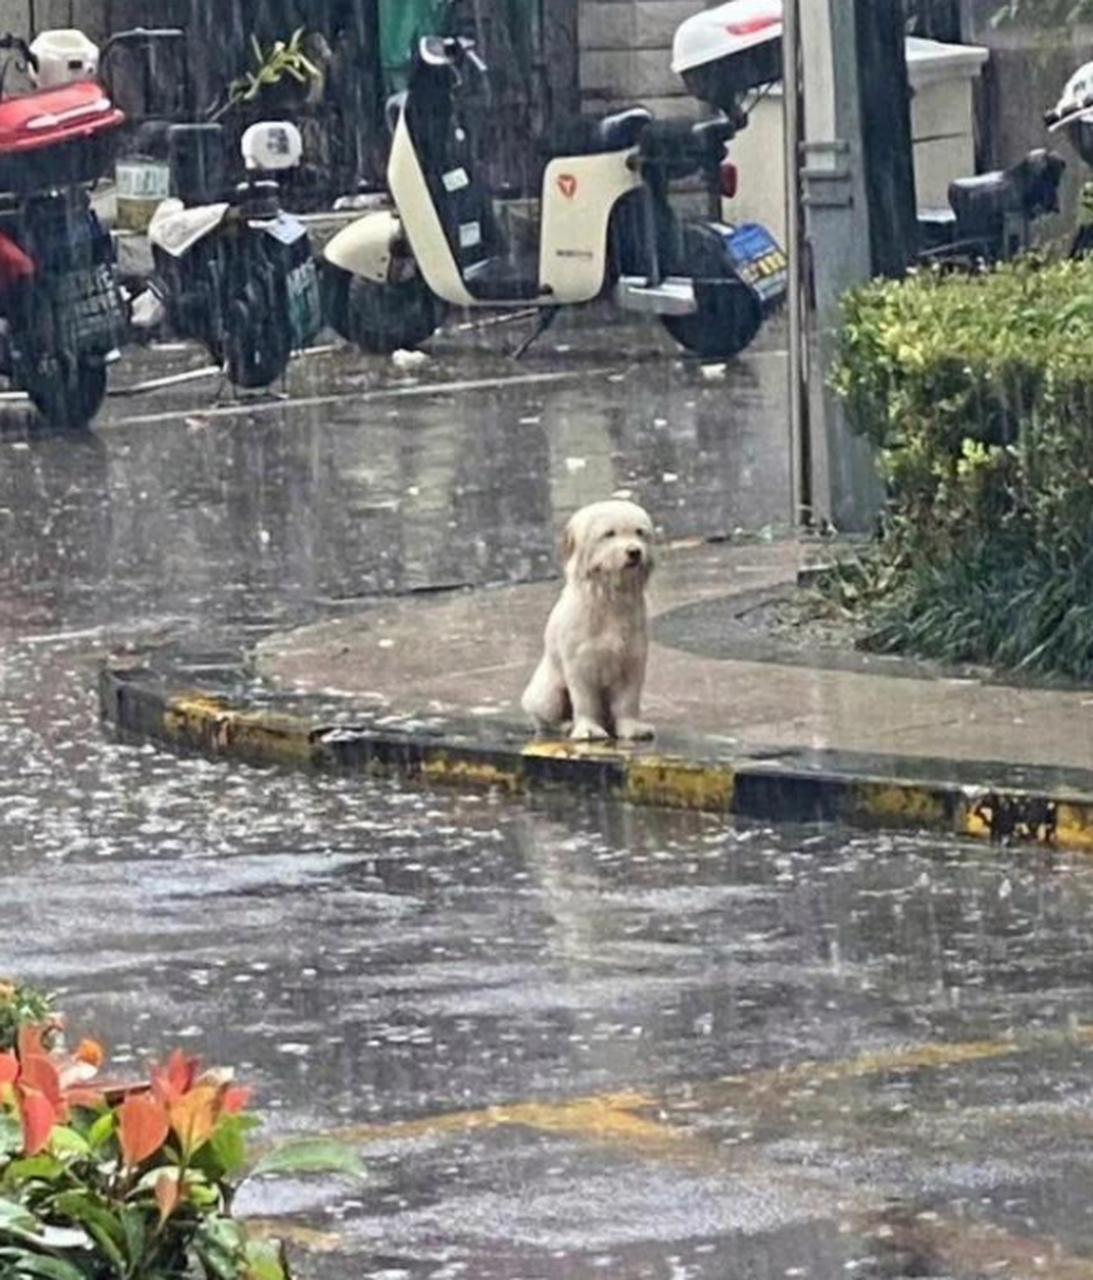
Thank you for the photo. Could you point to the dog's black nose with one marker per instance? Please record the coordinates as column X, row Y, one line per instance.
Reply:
column 633, row 556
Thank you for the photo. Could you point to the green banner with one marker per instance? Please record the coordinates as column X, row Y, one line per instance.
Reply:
column 402, row 24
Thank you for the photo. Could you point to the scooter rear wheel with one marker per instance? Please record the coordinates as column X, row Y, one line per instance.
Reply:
column 257, row 347
column 729, row 314
column 381, row 318
column 69, row 397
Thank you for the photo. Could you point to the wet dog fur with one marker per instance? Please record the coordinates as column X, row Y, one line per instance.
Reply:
column 596, row 645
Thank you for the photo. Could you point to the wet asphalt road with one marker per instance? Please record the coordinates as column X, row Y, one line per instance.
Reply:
column 571, row 1039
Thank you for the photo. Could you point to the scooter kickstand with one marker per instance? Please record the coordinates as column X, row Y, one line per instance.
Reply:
column 546, row 318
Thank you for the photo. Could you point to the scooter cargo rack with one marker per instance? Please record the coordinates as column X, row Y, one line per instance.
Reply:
column 55, row 137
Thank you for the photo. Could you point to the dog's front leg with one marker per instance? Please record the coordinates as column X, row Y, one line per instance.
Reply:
column 587, row 709
column 626, row 709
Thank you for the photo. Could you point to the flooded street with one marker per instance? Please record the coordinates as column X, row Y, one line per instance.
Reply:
column 571, row 1039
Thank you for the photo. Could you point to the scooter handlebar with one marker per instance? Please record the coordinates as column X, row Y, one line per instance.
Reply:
column 20, row 46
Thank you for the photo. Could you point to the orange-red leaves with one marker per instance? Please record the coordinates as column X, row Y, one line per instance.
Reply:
column 194, row 1116
column 142, row 1128
column 169, row 1194
column 39, row 1118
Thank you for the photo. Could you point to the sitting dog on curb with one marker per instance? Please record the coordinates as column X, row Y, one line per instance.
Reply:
column 596, row 644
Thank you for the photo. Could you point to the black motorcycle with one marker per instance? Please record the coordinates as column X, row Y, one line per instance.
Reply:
column 991, row 218
column 233, row 270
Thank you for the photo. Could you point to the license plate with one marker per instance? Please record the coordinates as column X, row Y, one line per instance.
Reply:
column 759, row 260
column 304, row 302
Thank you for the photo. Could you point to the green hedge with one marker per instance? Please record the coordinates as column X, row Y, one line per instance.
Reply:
column 979, row 391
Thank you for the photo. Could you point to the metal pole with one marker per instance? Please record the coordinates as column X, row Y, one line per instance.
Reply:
column 800, row 441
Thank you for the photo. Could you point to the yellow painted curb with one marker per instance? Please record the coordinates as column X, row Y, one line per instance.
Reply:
column 766, row 788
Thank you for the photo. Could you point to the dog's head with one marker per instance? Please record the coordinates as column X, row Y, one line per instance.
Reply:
column 609, row 542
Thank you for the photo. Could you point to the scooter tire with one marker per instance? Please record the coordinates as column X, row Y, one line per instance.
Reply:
column 382, row 318
column 71, row 398
column 729, row 314
column 256, row 349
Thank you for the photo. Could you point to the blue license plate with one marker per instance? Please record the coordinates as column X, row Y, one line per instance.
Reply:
column 759, row 259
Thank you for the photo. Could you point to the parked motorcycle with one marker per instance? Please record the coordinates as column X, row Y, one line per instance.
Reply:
column 605, row 226
column 992, row 217
column 1073, row 115
column 239, row 275
column 63, row 313
column 234, row 271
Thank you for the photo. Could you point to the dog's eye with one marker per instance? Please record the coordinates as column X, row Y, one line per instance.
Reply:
column 609, row 534
column 640, row 533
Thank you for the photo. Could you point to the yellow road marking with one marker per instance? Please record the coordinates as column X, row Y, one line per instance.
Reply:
column 283, row 738
column 680, row 784
column 449, row 771
column 634, row 1119
column 611, row 1117
column 292, row 1233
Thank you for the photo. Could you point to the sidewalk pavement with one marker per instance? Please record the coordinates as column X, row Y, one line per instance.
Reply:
column 429, row 687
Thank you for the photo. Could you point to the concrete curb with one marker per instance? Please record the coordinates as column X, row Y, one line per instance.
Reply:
column 988, row 802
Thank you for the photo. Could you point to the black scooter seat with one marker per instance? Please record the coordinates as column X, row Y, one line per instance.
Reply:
column 988, row 196
column 1030, row 187
column 586, row 136
column 620, row 131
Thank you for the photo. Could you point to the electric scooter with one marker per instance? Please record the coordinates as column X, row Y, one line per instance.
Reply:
column 63, row 314
column 233, row 270
column 1073, row 115
column 606, row 226
column 239, row 275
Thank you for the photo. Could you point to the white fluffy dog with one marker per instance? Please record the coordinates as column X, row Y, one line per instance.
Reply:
column 596, row 644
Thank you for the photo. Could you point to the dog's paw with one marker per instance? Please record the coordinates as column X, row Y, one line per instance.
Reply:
column 588, row 731
column 635, row 731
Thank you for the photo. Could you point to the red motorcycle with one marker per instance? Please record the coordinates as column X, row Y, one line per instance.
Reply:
column 62, row 311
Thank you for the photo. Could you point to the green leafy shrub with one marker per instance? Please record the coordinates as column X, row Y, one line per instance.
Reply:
column 978, row 391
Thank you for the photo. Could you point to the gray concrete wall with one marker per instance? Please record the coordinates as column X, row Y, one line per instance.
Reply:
column 88, row 15
column 626, row 54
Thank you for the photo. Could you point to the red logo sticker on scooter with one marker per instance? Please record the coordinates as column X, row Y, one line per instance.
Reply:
column 567, row 185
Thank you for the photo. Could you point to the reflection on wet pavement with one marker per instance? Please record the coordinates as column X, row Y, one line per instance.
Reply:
column 571, row 1039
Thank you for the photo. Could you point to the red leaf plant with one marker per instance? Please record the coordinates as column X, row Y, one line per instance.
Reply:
column 140, row 1175
column 37, row 1087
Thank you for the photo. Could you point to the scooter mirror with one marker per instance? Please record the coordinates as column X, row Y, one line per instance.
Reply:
column 433, row 51
column 272, row 145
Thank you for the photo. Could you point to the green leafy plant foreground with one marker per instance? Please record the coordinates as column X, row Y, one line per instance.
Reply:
column 22, row 1006
column 979, row 392
column 131, row 1182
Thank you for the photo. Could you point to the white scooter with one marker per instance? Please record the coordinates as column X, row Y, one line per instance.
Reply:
column 1072, row 115
column 605, row 227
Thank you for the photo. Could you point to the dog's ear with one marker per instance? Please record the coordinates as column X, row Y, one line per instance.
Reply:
column 569, row 543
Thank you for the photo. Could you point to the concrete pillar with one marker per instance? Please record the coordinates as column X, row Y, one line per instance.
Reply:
column 846, row 489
